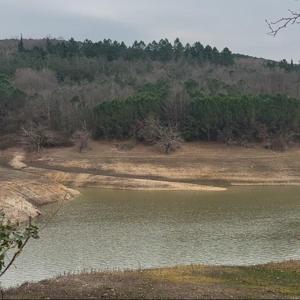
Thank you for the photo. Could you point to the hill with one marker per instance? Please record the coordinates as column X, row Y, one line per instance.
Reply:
column 110, row 89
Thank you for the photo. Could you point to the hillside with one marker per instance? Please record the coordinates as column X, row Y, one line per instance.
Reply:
column 117, row 91
column 214, row 71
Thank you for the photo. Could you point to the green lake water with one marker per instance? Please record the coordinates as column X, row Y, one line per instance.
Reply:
column 115, row 229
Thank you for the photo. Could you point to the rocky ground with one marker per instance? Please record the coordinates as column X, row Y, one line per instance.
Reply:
column 23, row 192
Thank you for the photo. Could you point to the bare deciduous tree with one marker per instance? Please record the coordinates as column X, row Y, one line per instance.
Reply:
column 166, row 137
column 169, row 139
column 81, row 138
column 34, row 137
column 284, row 22
column 40, row 86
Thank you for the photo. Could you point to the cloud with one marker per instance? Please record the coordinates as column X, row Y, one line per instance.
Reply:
column 34, row 21
column 238, row 24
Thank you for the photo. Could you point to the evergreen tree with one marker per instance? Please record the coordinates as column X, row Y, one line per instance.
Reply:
column 226, row 57
column 215, row 55
column 21, row 45
column 208, row 53
column 178, row 49
column 197, row 51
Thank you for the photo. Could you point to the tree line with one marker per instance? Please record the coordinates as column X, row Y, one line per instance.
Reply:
column 162, row 50
column 273, row 120
column 83, row 61
column 237, row 119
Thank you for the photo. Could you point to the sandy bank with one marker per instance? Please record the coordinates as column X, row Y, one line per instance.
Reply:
column 77, row 180
column 205, row 164
column 21, row 192
column 27, row 182
column 20, row 199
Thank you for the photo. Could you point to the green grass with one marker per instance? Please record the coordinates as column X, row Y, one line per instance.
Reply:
column 262, row 277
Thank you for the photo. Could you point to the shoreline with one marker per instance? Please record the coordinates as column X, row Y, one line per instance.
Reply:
column 28, row 181
column 268, row 281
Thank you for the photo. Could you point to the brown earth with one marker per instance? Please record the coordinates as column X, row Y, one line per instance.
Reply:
column 271, row 281
column 28, row 181
column 22, row 192
column 207, row 164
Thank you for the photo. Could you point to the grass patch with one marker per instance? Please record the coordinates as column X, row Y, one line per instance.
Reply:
column 276, row 280
column 194, row 274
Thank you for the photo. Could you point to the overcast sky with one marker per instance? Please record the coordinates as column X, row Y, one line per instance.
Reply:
column 237, row 24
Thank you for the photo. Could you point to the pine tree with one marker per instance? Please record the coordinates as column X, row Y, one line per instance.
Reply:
column 21, row 44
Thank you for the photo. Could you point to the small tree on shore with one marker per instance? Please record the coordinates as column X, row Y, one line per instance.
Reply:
column 169, row 140
column 13, row 239
column 166, row 137
column 34, row 137
column 81, row 138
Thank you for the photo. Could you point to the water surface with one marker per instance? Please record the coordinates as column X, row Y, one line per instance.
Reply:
column 114, row 229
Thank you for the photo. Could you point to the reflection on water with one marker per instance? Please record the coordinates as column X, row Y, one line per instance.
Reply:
column 107, row 229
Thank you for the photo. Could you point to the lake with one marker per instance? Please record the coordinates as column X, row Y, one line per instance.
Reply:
column 116, row 229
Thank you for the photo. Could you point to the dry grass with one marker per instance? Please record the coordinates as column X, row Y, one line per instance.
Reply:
column 272, row 281
column 198, row 163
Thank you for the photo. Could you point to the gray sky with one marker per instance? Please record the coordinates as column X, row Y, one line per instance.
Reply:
column 237, row 24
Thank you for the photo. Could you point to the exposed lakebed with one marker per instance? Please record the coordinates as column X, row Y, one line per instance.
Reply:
column 117, row 229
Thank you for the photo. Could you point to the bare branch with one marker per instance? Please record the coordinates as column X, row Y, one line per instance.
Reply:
column 282, row 23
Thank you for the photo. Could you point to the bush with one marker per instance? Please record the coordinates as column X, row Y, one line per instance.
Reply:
column 166, row 138
column 36, row 137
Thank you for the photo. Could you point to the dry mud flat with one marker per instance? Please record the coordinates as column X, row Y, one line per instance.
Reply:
column 29, row 181
column 211, row 165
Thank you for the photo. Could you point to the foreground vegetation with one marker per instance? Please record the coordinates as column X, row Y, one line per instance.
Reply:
column 271, row 281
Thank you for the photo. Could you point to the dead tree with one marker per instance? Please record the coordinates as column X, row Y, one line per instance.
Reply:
column 166, row 137
column 284, row 22
column 34, row 137
column 81, row 138
column 169, row 139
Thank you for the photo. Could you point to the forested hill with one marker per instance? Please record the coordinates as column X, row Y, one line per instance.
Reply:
column 203, row 92
column 216, row 71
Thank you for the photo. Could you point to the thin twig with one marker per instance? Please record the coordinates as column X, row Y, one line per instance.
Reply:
column 282, row 23
column 54, row 214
